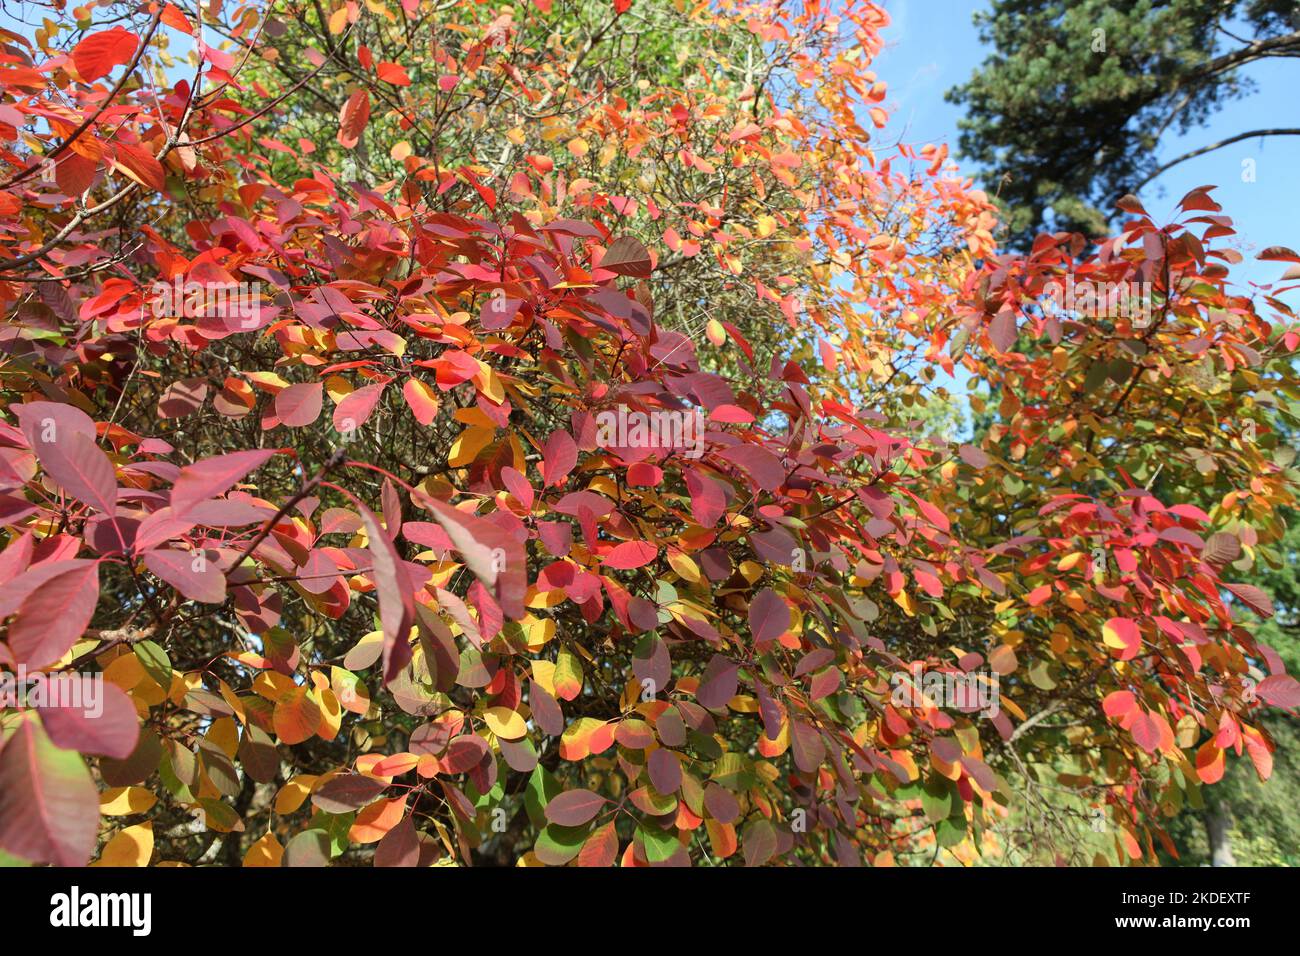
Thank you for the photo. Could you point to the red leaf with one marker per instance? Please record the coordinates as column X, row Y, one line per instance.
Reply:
column 573, row 808
column 1251, row 596
column 769, row 616
column 973, row 456
column 1280, row 690
column 400, row 846
column 807, row 745
column 494, row 556
column 1123, row 637
column 1210, row 763
column 518, row 486
column 718, row 684
column 932, row 514
column 189, row 572
column 423, row 403
column 213, row 476
column 665, row 770
column 1002, row 331
column 51, row 618
column 1151, row 731
column 97, row 54
column 353, row 118
column 396, row 606
column 349, row 791
column 761, row 465
column 1130, row 203
column 44, row 422
column 357, row 407
column 546, row 710
column 759, row 842
column 627, row 257
column 559, row 455
column 49, row 807
column 720, row 803
column 103, row 721
column 81, row 469
column 300, row 404
column 631, row 554
column 393, row 73
column 183, row 397
column 708, row 502
column 1119, row 704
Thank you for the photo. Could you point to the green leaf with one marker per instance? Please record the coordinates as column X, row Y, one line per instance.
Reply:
column 658, row 844
column 557, row 845
column 156, row 663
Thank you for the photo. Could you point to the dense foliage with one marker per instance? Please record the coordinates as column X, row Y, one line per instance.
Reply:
column 338, row 361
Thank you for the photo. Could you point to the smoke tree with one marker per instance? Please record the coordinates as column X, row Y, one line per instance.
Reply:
column 467, row 434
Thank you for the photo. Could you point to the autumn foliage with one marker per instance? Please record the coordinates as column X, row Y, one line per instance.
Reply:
column 315, row 319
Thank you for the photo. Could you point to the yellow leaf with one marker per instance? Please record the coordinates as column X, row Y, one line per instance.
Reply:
column 294, row 793
column 904, row 600
column 505, row 723
column 224, row 733
column 536, row 600
column 268, row 381
column 1071, row 560
column 130, row 847
column 338, row 388
column 538, row 631
column 126, row 672
column 473, row 415
column 489, row 383
column 265, row 852
column 468, row 444
column 544, row 674
column 331, row 714
column 273, row 685
column 685, row 566
column 121, row 801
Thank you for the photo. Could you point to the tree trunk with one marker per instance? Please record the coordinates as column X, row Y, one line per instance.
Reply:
column 1218, row 822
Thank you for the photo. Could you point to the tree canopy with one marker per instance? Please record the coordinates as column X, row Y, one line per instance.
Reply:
column 1066, row 115
column 463, row 434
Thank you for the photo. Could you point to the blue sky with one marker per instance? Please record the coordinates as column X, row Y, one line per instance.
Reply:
column 932, row 45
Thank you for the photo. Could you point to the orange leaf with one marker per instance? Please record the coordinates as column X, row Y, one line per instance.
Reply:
column 1209, row 763
column 377, row 819
column 141, row 165
column 96, row 55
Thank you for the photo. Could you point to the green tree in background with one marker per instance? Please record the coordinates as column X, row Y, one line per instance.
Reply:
column 1066, row 116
